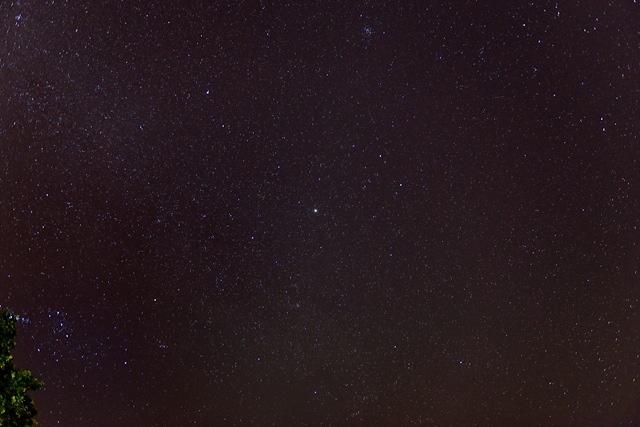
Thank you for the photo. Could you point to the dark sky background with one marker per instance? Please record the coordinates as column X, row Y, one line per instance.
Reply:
column 345, row 213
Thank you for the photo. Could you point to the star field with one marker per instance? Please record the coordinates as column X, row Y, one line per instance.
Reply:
column 323, row 213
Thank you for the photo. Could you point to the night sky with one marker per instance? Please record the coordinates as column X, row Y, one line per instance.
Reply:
column 345, row 213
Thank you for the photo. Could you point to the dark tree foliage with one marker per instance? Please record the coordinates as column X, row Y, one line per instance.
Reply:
column 17, row 408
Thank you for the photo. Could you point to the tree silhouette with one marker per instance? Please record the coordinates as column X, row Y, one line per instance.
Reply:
column 17, row 408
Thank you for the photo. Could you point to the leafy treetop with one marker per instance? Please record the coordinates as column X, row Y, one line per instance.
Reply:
column 17, row 408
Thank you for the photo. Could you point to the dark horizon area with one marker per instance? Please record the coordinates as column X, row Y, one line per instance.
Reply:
column 323, row 213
